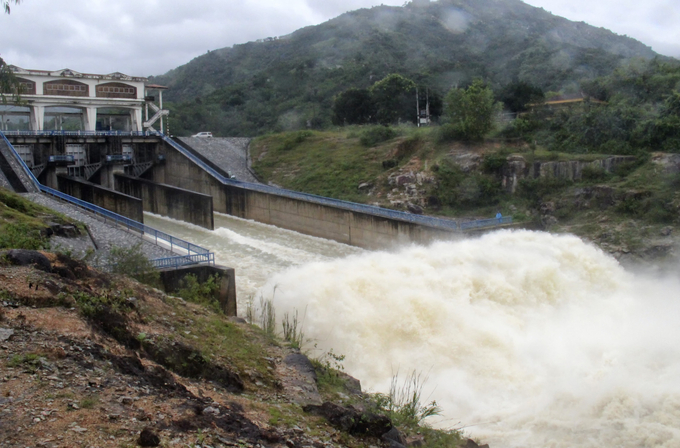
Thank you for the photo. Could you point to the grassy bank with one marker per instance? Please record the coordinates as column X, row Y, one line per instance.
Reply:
column 635, row 201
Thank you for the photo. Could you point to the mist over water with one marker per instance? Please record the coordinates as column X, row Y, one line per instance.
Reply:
column 528, row 339
column 255, row 250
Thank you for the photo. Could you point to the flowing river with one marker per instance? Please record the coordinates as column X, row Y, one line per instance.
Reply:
column 526, row 339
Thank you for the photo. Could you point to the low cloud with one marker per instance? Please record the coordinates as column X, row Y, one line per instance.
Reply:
column 153, row 36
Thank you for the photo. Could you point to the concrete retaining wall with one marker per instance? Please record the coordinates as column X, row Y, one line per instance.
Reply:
column 166, row 200
column 323, row 221
column 345, row 226
column 120, row 203
column 226, row 295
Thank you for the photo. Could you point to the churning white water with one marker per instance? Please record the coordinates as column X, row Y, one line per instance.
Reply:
column 256, row 251
column 528, row 339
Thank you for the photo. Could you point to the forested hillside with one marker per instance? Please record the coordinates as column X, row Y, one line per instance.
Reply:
column 289, row 82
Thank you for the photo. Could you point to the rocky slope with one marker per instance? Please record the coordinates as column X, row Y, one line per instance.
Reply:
column 88, row 359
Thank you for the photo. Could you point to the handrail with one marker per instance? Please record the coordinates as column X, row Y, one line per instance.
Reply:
column 485, row 222
column 338, row 203
column 430, row 221
column 21, row 161
column 200, row 254
column 83, row 133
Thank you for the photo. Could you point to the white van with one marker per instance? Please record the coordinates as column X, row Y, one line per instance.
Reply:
column 203, row 134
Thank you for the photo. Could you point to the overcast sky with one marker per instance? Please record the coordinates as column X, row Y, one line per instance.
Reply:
column 150, row 37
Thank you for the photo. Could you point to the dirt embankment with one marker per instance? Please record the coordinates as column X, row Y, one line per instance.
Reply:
column 92, row 360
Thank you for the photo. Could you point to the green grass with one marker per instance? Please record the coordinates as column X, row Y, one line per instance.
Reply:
column 22, row 222
column 323, row 163
column 219, row 340
column 287, row 415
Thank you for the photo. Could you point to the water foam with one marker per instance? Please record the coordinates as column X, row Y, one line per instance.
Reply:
column 529, row 339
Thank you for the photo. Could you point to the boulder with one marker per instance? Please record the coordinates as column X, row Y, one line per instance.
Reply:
column 22, row 257
column 302, row 364
column 5, row 334
column 405, row 179
column 670, row 163
column 394, row 435
column 351, row 420
column 148, row 438
column 472, row 444
column 415, row 209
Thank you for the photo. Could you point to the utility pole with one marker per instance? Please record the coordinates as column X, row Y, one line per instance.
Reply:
column 423, row 115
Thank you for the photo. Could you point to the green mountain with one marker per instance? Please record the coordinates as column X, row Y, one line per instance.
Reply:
column 289, row 82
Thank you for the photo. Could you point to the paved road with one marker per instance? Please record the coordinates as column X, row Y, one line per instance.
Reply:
column 230, row 154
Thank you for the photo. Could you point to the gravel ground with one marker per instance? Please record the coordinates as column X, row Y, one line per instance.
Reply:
column 230, row 154
column 104, row 235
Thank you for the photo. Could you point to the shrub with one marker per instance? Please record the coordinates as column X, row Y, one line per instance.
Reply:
column 493, row 163
column 537, row 189
column 377, row 134
column 403, row 403
column 201, row 293
column 594, row 173
column 293, row 140
column 292, row 329
column 132, row 262
column 458, row 189
column 626, row 168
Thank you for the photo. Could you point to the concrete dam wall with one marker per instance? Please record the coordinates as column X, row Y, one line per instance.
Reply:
column 324, row 221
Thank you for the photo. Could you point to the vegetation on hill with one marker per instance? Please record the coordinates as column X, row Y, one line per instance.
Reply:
column 290, row 82
column 628, row 205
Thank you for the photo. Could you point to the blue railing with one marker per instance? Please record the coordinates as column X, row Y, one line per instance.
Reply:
column 430, row 221
column 131, row 224
column 337, row 203
column 175, row 262
column 195, row 254
column 83, row 133
column 485, row 223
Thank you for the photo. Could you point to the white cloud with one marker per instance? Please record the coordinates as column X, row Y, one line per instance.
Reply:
column 146, row 37
column 653, row 22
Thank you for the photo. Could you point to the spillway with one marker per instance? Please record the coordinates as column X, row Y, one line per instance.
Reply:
column 527, row 339
column 255, row 250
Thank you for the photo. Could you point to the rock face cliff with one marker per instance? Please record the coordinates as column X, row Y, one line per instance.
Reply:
column 517, row 168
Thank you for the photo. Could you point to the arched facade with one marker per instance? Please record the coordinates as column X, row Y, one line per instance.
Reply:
column 116, row 90
column 43, row 90
column 66, row 87
column 27, row 86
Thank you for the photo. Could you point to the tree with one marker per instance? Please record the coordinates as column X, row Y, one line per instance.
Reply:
column 8, row 82
column 666, row 129
column 5, row 4
column 470, row 111
column 353, row 106
column 517, row 95
column 391, row 95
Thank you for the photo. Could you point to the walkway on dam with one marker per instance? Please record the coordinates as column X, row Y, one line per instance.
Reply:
column 229, row 154
column 105, row 235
